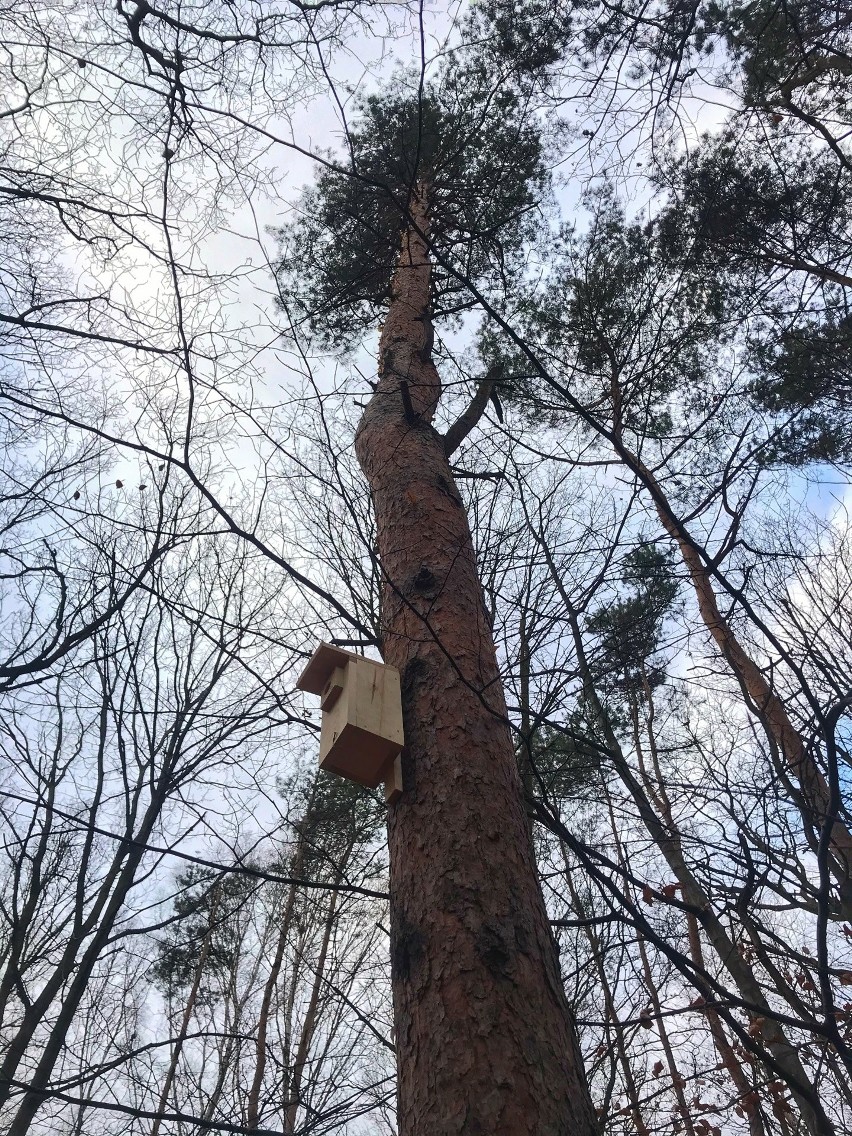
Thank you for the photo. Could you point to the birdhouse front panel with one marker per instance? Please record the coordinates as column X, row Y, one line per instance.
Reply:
column 361, row 731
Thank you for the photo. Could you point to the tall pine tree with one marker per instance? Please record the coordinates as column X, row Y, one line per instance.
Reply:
column 443, row 183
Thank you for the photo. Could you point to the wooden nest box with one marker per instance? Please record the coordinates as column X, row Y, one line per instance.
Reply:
column 361, row 735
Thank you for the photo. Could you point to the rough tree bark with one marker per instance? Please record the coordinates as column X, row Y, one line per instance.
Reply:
column 485, row 1039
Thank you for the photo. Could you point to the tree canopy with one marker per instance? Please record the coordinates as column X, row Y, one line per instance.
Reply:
column 475, row 155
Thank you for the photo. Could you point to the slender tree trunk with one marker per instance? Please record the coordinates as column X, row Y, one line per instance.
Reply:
column 484, row 1037
column 253, row 1108
column 120, row 879
column 188, row 1011
column 524, row 755
column 630, row 1088
column 678, row 1081
column 310, row 1024
column 749, row 1100
column 816, row 803
column 668, row 840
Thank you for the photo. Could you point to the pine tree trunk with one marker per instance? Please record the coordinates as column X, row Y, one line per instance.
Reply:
column 484, row 1037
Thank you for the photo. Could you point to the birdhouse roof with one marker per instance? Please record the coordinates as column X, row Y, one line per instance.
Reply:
column 322, row 662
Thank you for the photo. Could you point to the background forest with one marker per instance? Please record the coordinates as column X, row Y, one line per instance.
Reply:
column 639, row 229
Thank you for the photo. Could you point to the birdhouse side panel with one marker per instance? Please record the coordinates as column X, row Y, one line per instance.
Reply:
column 392, row 708
column 377, row 705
